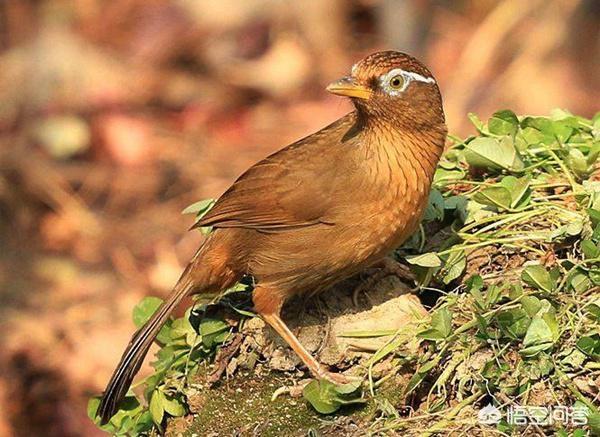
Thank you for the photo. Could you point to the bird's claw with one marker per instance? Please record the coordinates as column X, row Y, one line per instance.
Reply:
column 338, row 378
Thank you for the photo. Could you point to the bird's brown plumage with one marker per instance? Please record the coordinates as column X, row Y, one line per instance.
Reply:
column 318, row 210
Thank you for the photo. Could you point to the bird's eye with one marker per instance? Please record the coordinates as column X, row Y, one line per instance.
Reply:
column 397, row 82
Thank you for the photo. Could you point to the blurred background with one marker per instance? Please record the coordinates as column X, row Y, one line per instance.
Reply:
column 116, row 114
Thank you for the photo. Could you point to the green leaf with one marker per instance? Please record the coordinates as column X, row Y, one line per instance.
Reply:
column 181, row 328
column 474, row 283
column 473, row 118
column 594, row 309
column 482, row 324
column 210, row 326
column 493, row 294
column 387, row 349
column 144, row 424
column 419, row 376
column 513, row 322
column 594, row 424
column 531, row 136
column 538, row 277
column 579, row 282
column 92, row 409
column 496, row 196
column 431, row 334
column 515, row 291
column 347, row 389
column 475, row 211
column 549, row 317
column 442, row 176
column 562, row 114
column 518, row 189
column 590, row 345
column 552, row 130
column 429, row 259
column 327, row 398
column 531, row 305
column 459, row 205
column 493, row 154
column 454, row 266
column 541, row 366
column 596, row 234
column 442, row 321
column 577, row 162
column 589, row 249
column 594, row 216
column 542, row 333
column 574, row 227
column 173, row 407
column 594, row 154
column 503, row 122
column 211, row 331
column 441, row 326
column 199, row 208
column 435, row 207
column 533, row 350
column 574, row 359
column 156, row 406
column 146, row 309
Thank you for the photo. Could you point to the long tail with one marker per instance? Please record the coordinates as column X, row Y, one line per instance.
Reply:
column 138, row 347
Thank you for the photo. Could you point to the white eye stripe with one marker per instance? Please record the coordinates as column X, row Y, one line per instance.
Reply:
column 408, row 76
column 416, row 76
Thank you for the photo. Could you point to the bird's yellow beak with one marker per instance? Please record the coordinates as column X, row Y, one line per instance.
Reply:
column 348, row 87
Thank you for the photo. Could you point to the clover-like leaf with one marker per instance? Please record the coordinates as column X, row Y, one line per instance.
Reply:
column 590, row 249
column 543, row 331
column 503, row 122
column 144, row 310
column 173, row 406
column 213, row 331
column 551, row 130
column 442, row 176
column 326, row 397
column 454, row 266
column 590, row 345
column 441, row 326
column 513, row 322
column 493, row 154
column 199, row 208
column 496, row 196
column 435, row 207
column 429, row 259
column 156, row 406
column 518, row 189
column 538, row 277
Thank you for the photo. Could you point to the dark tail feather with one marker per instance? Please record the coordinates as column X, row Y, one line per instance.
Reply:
column 138, row 348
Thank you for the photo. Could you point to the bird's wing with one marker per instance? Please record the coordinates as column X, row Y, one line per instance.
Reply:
column 291, row 188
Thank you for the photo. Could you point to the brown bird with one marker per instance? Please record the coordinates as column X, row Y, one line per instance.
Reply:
column 319, row 210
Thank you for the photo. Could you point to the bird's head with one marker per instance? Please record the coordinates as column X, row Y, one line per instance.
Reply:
column 392, row 87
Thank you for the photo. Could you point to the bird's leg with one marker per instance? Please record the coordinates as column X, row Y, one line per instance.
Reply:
column 387, row 267
column 268, row 303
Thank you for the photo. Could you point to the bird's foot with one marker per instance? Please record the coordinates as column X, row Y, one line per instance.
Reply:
column 387, row 267
column 337, row 378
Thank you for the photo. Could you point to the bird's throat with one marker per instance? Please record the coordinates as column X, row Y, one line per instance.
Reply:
column 404, row 150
